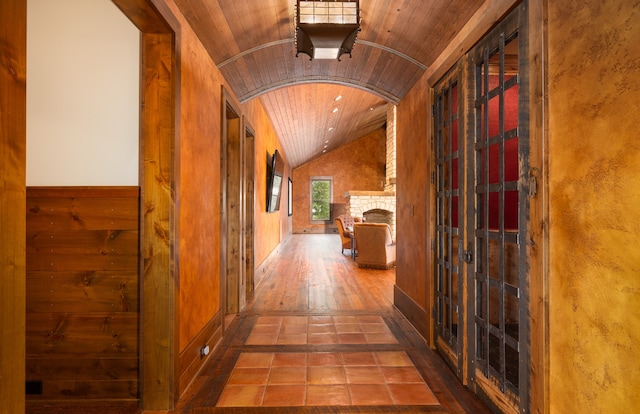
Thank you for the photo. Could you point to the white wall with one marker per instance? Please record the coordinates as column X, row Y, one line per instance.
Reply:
column 82, row 94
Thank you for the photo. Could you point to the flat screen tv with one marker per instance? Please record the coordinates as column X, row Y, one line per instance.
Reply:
column 275, row 177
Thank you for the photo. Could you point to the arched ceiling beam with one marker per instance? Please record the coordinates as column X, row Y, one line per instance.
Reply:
column 321, row 79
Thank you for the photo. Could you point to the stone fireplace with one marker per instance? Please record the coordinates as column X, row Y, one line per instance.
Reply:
column 379, row 206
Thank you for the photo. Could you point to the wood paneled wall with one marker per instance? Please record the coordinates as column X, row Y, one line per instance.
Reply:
column 82, row 302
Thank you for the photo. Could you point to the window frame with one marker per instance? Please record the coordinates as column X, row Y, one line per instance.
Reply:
column 311, row 181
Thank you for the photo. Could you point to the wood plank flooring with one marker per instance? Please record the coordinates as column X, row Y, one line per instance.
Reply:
column 312, row 281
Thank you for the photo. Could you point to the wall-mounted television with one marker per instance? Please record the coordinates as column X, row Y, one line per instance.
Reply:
column 275, row 177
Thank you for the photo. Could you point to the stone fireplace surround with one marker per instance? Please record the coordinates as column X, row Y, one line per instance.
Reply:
column 359, row 202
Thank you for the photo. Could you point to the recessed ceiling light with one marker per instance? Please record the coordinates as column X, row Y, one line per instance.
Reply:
column 338, row 98
column 330, row 129
column 334, row 110
column 326, row 142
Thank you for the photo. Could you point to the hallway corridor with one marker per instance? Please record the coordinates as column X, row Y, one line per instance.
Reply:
column 321, row 335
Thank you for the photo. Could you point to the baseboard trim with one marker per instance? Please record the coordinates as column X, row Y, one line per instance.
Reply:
column 417, row 316
column 190, row 361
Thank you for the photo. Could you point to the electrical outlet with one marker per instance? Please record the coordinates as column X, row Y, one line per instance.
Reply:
column 204, row 351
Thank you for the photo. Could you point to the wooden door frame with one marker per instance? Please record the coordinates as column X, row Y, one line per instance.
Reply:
column 230, row 203
column 159, row 204
column 248, row 209
column 13, row 138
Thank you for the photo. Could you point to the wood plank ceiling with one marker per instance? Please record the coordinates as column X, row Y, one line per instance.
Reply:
column 252, row 43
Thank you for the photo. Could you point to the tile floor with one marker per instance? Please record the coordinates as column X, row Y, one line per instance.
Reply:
column 325, row 378
column 320, row 330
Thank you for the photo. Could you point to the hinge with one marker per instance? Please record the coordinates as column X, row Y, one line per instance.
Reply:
column 467, row 256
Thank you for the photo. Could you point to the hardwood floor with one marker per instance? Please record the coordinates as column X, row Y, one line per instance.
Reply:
column 321, row 335
column 326, row 303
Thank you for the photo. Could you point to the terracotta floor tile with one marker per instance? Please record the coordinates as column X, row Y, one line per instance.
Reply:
column 324, row 328
column 288, row 375
column 254, row 360
column 393, row 359
column 352, row 338
column 265, row 329
column 293, row 329
column 358, row 358
column 320, row 339
column 369, row 394
column 292, row 339
column 363, row 375
column 320, row 319
column 325, row 375
column 324, row 359
column 284, row 395
column 374, row 328
column 262, row 339
column 401, row 375
column 289, row 359
column 345, row 319
column 348, row 328
column 248, row 376
column 295, row 320
column 241, row 396
column 327, row 395
column 380, row 338
column 269, row 320
column 371, row 319
column 412, row 394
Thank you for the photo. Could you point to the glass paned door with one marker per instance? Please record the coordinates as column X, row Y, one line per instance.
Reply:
column 449, row 220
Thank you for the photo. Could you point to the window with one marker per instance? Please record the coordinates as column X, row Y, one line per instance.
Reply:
column 321, row 196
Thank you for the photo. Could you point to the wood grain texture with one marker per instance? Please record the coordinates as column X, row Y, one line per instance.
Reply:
column 159, row 268
column 83, row 292
column 13, row 109
column 252, row 43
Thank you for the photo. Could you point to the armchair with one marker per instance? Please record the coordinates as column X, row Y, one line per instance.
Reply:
column 376, row 247
column 345, row 229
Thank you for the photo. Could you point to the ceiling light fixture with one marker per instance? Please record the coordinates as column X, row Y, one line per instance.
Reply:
column 334, row 110
column 326, row 29
column 338, row 98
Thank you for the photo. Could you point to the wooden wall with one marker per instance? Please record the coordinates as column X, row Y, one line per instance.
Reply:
column 82, row 302
column 414, row 258
column 357, row 166
column 594, row 171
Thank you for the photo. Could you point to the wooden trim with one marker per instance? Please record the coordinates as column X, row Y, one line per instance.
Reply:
column 538, row 210
column 84, row 191
column 190, row 360
column 411, row 310
column 490, row 13
column 13, row 125
column 493, row 396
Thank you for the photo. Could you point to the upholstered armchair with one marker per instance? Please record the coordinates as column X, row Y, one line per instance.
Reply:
column 345, row 229
column 376, row 247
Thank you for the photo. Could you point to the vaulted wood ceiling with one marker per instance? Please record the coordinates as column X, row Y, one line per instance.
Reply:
column 252, row 43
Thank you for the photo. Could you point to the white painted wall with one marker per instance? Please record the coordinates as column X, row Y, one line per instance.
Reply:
column 82, row 94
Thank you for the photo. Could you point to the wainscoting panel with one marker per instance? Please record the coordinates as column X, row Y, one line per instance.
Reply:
column 82, row 329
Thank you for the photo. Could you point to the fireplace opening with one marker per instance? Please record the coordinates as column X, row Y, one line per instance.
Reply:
column 378, row 215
